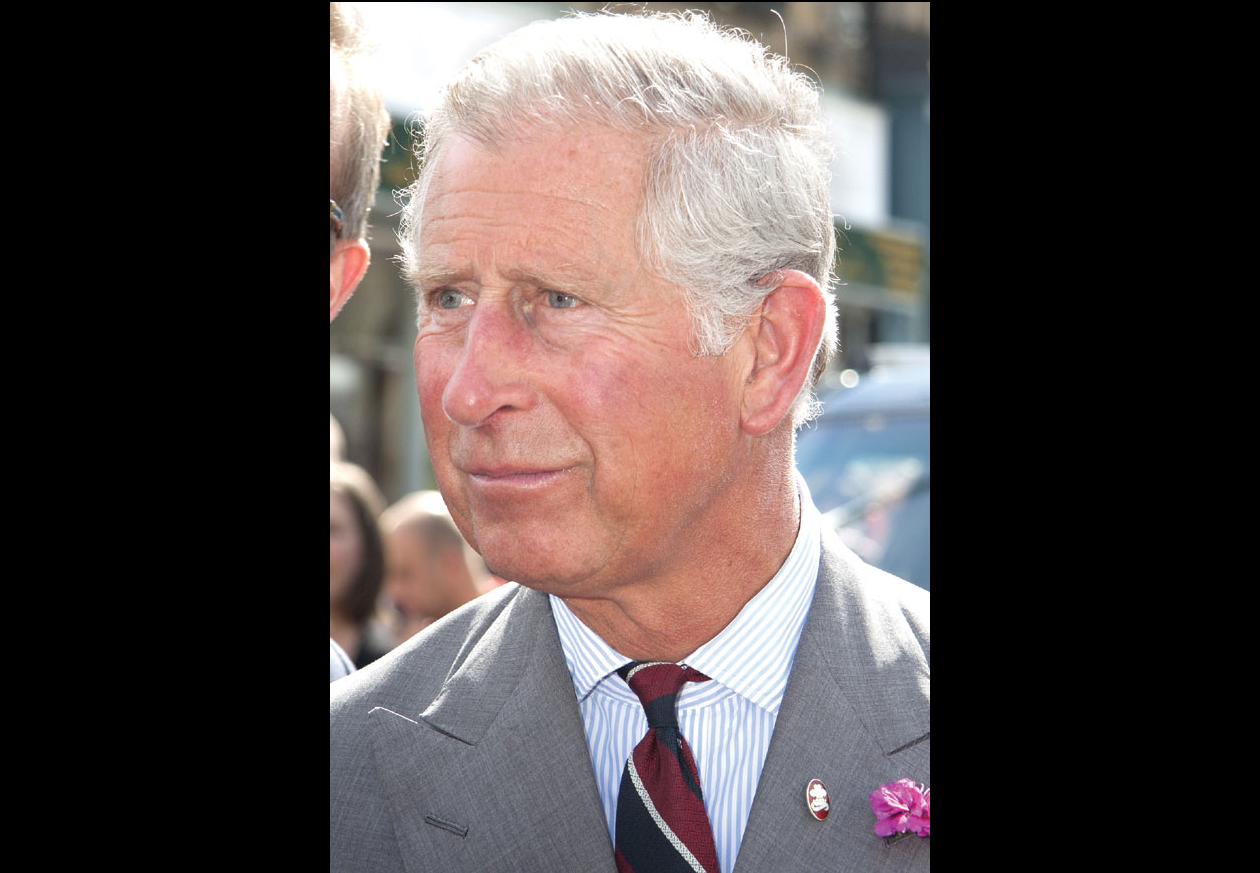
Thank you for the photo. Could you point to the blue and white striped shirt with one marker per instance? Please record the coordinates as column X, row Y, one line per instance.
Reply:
column 727, row 722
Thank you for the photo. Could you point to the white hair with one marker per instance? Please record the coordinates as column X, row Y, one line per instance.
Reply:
column 738, row 162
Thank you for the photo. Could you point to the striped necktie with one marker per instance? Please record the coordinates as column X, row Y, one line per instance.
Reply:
column 661, row 823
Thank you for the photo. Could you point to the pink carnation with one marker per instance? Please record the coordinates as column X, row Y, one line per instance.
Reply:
column 902, row 807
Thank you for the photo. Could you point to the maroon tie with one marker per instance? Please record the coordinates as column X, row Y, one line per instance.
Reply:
column 661, row 823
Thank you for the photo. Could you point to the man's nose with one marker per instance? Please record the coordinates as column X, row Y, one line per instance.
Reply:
column 490, row 376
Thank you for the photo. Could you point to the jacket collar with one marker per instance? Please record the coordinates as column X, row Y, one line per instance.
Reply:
column 506, row 709
column 856, row 714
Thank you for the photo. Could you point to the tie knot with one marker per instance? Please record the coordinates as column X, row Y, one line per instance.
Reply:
column 657, row 686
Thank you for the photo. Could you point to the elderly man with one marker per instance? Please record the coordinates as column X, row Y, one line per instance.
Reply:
column 620, row 241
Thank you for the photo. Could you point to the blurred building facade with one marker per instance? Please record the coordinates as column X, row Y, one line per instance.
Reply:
column 872, row 60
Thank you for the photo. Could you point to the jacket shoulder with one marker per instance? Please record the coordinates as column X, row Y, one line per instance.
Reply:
column 410, row 676
column 891, row 608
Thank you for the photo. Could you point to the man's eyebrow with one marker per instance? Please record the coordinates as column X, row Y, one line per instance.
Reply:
column 563, row 277
column 430, row 275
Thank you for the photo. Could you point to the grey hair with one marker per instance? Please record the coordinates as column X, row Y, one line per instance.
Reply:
column 738, row 174
column 358, row 121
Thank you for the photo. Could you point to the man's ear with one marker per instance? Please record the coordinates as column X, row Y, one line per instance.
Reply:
column 785, row 340
column 345, row 268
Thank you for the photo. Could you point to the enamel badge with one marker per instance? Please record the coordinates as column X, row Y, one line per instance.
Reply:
column 817, row 799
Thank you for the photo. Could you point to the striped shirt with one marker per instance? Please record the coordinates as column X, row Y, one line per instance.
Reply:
column 727, row 722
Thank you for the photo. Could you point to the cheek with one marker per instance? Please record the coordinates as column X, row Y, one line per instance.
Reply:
column 433, row 364
column 682, row 418
column 397, row 584
column 343, row 551
column 641, row 395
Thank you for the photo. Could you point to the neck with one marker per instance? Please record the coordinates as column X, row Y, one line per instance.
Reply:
column 666, row 619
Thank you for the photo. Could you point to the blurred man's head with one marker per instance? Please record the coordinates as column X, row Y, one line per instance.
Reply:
column 358, row 124
column 429, row 570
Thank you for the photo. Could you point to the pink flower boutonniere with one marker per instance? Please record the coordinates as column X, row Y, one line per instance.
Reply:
column 903, row 808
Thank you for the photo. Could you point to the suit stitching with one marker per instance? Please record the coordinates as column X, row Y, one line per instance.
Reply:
column 457, row 829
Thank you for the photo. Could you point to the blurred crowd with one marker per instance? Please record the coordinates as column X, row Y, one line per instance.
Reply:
column 392, row 568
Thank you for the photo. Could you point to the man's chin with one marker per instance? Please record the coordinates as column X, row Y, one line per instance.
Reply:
column 517, row 550
column 557, row 578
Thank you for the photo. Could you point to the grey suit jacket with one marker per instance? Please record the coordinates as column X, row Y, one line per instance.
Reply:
column 463, row 749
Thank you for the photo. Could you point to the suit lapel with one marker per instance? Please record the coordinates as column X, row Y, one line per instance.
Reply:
column 848, row 718
column 855, row 715
column 500, row 799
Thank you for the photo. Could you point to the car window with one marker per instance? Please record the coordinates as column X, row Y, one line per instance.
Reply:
column 870, row 477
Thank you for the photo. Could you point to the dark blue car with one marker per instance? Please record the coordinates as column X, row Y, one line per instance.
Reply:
column 866, row 460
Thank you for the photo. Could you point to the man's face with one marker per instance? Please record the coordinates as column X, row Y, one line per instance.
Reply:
column 412, row 575
column 578, row 442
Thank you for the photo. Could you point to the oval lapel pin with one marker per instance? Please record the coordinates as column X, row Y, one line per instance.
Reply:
column 817, row 800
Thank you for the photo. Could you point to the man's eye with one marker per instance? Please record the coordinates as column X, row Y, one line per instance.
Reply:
column 450, row 299
column 560, row 300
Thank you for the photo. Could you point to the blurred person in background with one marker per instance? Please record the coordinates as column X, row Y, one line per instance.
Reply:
column 358, row 124
column 356, row 565
column 620, row 241
column 429, row 569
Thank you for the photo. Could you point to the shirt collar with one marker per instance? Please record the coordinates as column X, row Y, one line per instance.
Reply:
column 752, row 655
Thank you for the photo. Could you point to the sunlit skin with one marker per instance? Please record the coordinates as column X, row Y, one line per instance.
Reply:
column 579, row 443
column 346, row 269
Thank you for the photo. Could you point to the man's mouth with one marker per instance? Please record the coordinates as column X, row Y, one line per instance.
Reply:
column 514, row 476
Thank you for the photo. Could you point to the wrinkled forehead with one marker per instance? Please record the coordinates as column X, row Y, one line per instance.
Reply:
column 592, row 163
column 572, row 195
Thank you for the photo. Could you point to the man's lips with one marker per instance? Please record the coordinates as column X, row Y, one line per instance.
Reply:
column 514, row 476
